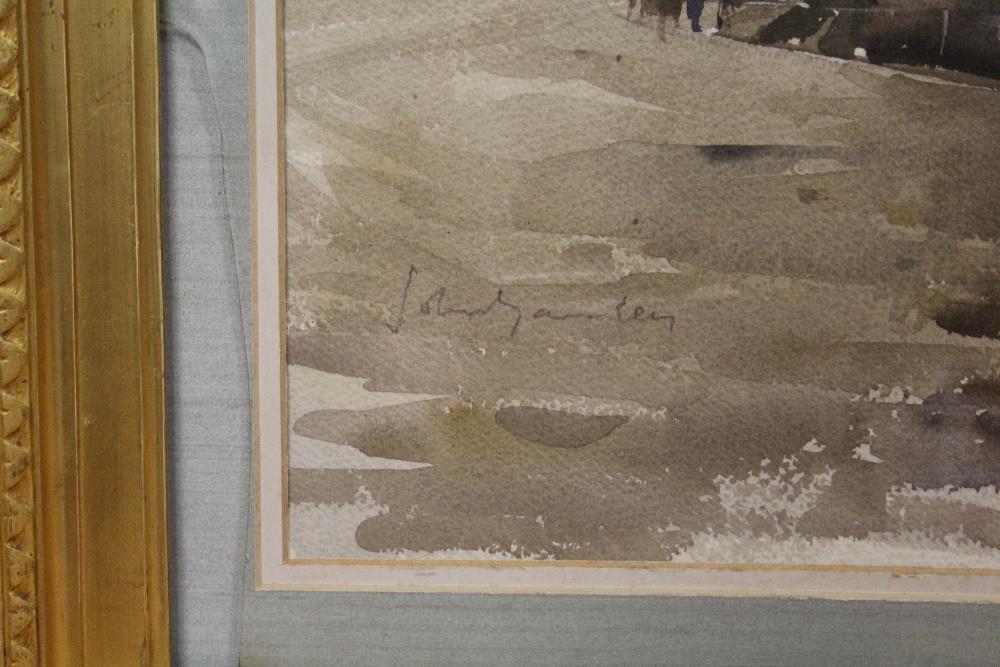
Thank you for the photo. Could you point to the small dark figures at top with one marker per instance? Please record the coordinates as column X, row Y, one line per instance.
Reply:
column 694, row 9
column 668, row 8
column 631, row 8
column 726, row 9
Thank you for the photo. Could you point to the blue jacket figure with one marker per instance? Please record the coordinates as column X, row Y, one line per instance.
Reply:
column 695, row 8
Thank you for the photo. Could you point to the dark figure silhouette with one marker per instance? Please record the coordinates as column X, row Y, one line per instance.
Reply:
column 671, row 9
column 726, row 9
column 695, row 8
column 664, row 9
column 646, row 7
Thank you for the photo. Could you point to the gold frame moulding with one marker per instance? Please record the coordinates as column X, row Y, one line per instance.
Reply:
column 84, row 571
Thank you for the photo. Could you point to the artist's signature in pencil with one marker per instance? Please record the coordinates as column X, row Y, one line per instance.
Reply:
column 434, row 305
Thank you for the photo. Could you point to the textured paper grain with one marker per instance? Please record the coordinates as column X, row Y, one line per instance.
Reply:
column 558, row 289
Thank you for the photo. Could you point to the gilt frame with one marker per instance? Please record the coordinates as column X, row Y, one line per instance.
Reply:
column 83, row 564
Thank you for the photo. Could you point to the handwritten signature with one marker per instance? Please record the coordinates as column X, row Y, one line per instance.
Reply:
column 434, row 305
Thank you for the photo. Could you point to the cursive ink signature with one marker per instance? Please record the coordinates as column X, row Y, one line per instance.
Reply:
column 434, row 305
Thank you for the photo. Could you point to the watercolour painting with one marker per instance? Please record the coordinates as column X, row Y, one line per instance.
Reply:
column 564, row 296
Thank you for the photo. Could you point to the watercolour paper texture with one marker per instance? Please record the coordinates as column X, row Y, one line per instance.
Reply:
column 563, row 293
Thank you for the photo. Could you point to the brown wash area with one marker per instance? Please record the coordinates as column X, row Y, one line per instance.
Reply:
column 558, row 289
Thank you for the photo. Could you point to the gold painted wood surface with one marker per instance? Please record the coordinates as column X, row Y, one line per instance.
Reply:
column 17, row 530
column 95, row 338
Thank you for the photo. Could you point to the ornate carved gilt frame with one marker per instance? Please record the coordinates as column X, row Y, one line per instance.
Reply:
column 83, row 558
